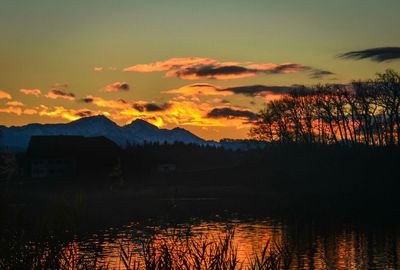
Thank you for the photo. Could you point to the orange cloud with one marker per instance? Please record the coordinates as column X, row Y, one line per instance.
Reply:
column 4, row 95
column 98, row 69
column 199, row 89
column 56, row 94
column 178, row 113
column 15, row 103
column 30, row 111
column 195, row 68
column 185, row 113
column 34, row 92
column 18, row 110
column 15, row 110
column 170, row 64
column 184, row 110
column 69, row 114
column 117, row 87
column 194, row 91
column 107, row 103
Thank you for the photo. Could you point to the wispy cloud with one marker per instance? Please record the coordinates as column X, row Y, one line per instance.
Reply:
column 255, row 90
column 69, row 114
column 198, row 89
column 56, row 94
column 320, row 74
column 18, row 110
column 34, row 92
column 15, row 103
column 196, row 68
column 380, row 54
column 107, row 103
column 205, row 89
column 117, row 87
column 30, row 111
column 170, row 64
column 10, row 109
column 4, row 95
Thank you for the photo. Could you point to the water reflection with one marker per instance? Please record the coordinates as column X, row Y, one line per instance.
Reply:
column 311, row 247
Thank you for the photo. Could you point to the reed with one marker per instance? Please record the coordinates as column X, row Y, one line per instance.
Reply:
column 168, row 253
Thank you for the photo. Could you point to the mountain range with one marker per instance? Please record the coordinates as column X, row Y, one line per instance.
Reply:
column 137, row 132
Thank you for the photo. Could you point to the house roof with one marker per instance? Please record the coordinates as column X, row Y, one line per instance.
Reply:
column 72, row 146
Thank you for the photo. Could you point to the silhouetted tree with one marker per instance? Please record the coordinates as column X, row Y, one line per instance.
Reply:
column 364, row 112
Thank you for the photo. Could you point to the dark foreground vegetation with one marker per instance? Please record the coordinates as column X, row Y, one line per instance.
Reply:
column 40, row 219
column 338, row 175
column 174, row 252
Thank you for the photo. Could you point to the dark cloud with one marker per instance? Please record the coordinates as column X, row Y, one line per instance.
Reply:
column 124, row 86
column 232, row 113
column 319, row 74
column 57, row 93
column 138, row 107
column 213, row 71
column 151, row 107
column 201, row 85
column 381, row 54
column 253, row 90
column 117, row 87
column 62, row 93
column 284, row 68
column 87, row 100
column 196, row 68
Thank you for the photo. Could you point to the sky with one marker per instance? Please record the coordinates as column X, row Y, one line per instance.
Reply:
column 207, row 66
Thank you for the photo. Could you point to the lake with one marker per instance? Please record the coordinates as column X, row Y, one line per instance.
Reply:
column 312, row 244
column 109, row 229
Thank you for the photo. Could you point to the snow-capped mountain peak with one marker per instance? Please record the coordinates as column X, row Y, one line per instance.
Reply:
column 137, row 132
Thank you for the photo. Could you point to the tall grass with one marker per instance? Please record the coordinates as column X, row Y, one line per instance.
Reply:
column 173, row 252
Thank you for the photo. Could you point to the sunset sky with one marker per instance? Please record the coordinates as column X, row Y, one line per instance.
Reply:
column 207, row 66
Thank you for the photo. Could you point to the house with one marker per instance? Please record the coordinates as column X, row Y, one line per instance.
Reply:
column 69, row 156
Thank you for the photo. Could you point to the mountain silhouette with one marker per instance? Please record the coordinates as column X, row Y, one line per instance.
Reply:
column 137, row 132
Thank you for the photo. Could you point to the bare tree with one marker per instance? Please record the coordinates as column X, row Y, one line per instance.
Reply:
column 366, row 112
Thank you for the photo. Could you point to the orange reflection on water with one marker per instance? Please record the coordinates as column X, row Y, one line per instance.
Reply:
column 309, row 249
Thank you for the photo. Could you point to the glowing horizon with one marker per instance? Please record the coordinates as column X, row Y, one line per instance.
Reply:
column 207, row 67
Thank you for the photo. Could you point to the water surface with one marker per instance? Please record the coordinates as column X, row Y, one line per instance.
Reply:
column 313, row 245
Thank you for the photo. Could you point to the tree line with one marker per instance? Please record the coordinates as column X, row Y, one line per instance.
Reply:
column 363, row 112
